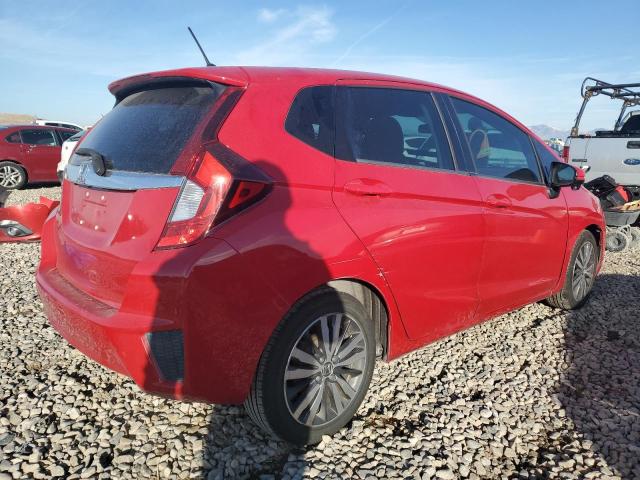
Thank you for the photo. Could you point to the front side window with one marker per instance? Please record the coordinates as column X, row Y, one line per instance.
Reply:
column 310, row 118
column 388, row 125
column 38, row 137
column 498, row 148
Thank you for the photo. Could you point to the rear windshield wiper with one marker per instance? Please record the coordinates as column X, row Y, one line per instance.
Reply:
column 97, row 160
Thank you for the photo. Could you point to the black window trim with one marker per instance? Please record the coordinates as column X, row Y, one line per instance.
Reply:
column 446, row 112
column 400, row 165
column 467, row 148
column 543, row 175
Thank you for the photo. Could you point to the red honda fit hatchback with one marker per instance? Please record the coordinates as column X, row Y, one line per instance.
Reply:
column 262, row 235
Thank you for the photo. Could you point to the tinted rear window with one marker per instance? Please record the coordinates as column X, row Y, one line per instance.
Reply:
column 310, row 118
column 147, row 130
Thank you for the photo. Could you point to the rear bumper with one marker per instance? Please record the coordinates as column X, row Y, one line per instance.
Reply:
column 112, row 338
column 205, row 296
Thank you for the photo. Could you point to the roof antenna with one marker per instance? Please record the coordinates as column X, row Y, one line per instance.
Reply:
column 209, row 64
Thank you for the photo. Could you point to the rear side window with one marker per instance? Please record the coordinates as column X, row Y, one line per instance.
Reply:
column 498, row 148
column 65, row 135
column 147, row 130
column 14, row 138
column 387, row 125
column 38, row 137
column 546, row 157
column 311, row 118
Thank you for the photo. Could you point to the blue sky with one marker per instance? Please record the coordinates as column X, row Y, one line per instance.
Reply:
column 56, row 58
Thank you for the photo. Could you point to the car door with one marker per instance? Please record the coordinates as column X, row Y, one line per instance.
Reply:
column 526, row 223
column 41, row 153
column 397, row 186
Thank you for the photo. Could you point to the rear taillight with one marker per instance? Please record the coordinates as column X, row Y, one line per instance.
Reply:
column 213, row 192
column 565, row 153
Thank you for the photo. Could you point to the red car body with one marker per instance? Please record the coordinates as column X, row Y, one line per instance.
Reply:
column 39, row 160
column 443, row 250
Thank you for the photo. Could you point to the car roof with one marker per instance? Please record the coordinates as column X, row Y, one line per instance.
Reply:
column 57, row 121
column 13, row 127
column 35, row 126
column 242, row 76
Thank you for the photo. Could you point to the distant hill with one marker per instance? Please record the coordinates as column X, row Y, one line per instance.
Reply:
column 11, row 118
column 546, row 132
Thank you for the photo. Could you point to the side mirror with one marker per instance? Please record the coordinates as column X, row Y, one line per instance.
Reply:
column 565, row 175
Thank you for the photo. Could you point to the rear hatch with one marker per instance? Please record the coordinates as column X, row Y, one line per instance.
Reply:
column 123, row 180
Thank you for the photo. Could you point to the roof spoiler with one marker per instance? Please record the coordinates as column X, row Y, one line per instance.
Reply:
column 234, row 76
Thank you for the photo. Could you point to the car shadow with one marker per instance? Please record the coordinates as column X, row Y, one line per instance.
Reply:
column 600, row 390
column 234, row 446
column 35, row 186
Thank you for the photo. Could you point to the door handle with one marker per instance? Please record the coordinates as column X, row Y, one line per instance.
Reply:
column 367, row 187
column 498, row 201
column 633, row 144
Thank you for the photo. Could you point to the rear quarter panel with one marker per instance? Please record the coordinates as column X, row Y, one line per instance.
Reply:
column 295, row 239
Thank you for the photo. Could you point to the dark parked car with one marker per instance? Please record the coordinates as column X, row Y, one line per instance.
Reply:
column 30, row 153
column 262, row 235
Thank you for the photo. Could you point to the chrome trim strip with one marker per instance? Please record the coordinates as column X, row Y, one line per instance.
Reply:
column 83, row 174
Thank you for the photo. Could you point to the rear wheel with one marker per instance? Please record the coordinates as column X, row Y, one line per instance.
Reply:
column 316, row 369
column 12, row 176
column 580, row 275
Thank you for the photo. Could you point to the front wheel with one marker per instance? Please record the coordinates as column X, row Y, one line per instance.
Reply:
column 580, row 276
column 315, row 370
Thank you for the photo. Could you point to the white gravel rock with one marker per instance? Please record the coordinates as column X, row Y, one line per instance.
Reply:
column 535, row 393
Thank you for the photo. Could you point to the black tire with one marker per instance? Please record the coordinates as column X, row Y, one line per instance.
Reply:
column 268, row 404
column 617, row 241
column 566, row 298
column 18, row 170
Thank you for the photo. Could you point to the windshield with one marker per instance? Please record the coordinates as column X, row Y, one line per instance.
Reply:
column 147, row 130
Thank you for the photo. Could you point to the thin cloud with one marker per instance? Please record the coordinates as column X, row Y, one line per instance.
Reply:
column 367, row 34
column 304, row 28
column 268, row 15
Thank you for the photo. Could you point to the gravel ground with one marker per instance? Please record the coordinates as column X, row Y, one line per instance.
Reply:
column 533, row 394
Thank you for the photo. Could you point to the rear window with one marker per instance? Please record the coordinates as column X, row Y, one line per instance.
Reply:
column 147, row 130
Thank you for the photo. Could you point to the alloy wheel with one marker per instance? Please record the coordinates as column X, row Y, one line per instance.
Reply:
column 325, row 369
column 9, row 176
column 583, row 271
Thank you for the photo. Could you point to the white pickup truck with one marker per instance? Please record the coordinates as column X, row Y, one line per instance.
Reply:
column 609, row 152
